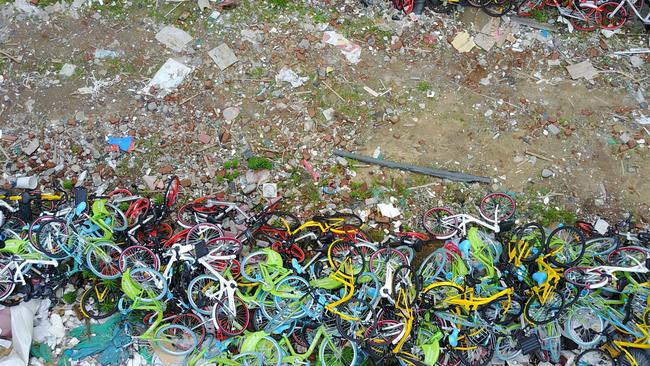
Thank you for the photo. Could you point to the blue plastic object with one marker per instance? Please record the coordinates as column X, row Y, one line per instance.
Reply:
column 122, row 143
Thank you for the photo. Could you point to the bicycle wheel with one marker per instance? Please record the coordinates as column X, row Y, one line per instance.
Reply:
column 229, row 321
column 337, row 352
column 583, row 20
column 594, row 357
column 248, row 359
column 476, row 347
column 541, row 313
column 50, row 235
column 360, row 310
column 640, row 356
column 152, row 284
column 367, row 288
column 138, row 256
column 339, row 250
column 531, row 242
column 567, row 244
column 497, row 311
column 584, row 326
column 571, row 294
column 499, row 205
column 224, row 246
column 627, row 257
column 193, row 322
column 187, row 217
column 13, row 228
column 385, row 332
column 436, row 222
column 176, row 339
column 203, row 293
column 250, row 266
column 99, row 302
column 526, row 7
column 608, row 17
column 118, row 221
column 293, row 292
column 599, row 247
column 385, row 257
column 269, row 350
column 203, row 232
column 586, row 277
column 506, row 347
column 103, row 260
column 279, row 220
column 405, row 279
column 431, row 269
column 7, row 283
column 439, row 295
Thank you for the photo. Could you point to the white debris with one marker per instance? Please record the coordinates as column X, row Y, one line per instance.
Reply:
column 388, row 210
column 169, row 76
column 174, row 38
column 288, row 75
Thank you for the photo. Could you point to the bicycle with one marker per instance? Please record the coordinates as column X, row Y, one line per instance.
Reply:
column 626, row 260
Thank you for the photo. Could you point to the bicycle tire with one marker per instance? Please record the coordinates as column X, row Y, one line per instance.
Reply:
column 533, row 307
column 475, row 352
column 276, row 220
column 490, row 203
column 230, row 323
column 405, row 279
column 584, row 326
column 594, row 357
column 171, row 193
column 203, row 232
column 601, row 246
column 627, row 257
column 50, row 240
column 331, row 353
column 103, row 260
column 339, row 250
column 179, row 336
column 432, row 267
column 382, row 258
column 138, row 256
column 441, row 229
column 97, row 309
column 119, row 222
column 586, row 277
column 194, row 322
column 534, row 233
column 572, row 246
column 603, row 15
column 506, row 348
column 293, row 292
column 7, row 284
column 435, row 296
column 197, row 297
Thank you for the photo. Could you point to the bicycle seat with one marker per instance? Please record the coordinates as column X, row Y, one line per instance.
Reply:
column 540, row 277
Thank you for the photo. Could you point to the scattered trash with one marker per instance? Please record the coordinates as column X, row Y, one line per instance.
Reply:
column 269, row 190
column 25, row 182
column 121, row 143
column 329, row 114
column 463, row 42
column 102, row 54
column 22, row 323
column 174, row 38
column 388, row 210
column 291, row 77
column 32, row 146
column 370, row 91
column 170, row 75
column 310, row 169
column 582, row 69
column 223, row 56
column 350, row 50
column 203, row 4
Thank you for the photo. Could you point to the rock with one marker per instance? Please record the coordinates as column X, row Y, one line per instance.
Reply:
column 165, row 170
column 152, row 106
column 625, row 138
column 308, row 125
column 329, row 114
column 553, row 129
column 67, row 70
column 204, row 138
column 341, row 161
column 631, row 144
column 230, row 113
column 224, row 137
column 185, row 182
column 75, row 168
column 547, row 173
column 304, row 44
column 249, row 188
column 150, row 181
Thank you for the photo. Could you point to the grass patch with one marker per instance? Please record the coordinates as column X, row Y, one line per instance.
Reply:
column 70, row 297
column 424, row 86
column 360, row 191
column 67, row 184
column 259, row 163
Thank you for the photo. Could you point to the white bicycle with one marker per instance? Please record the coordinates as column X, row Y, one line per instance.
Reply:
column 626, row 259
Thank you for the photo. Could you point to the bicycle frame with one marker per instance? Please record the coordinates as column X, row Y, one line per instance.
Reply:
column 464, row 220
column 645, row 19
column 19, row 265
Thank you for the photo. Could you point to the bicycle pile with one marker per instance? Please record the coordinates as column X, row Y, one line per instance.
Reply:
column 584, row 15
column 222, row 283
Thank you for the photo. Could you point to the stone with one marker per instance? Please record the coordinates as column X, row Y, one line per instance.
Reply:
column 230, row 113
column 249, row 188
column 223, row 56
column 547, row 173
column 329, row 114
column 185, row 182
column 152, row 106
column 165, row 170
column 67, row 70
column 341, row 161
column 150, row 181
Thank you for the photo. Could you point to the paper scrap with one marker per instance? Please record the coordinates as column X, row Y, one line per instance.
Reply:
column 350, row 50
column 463, row 42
